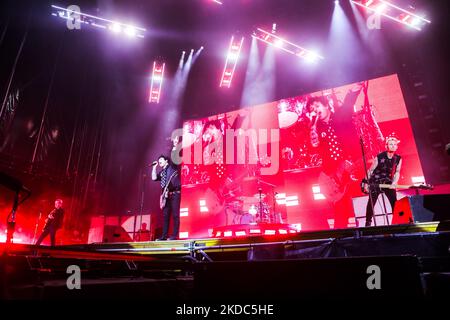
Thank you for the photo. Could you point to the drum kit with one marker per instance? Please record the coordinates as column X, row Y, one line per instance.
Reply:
column 254, row 207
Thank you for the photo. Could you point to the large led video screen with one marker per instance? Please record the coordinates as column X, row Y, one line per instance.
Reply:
column 298, row 160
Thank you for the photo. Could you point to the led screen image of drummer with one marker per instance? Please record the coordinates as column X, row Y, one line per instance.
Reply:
column 295, row 161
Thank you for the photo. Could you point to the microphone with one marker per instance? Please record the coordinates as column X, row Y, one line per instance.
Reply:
column 154, row 163
column 315, row 120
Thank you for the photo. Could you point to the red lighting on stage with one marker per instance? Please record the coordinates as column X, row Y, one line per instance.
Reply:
column 228, row 233
column 317, row 194
column 393, row 12
column 285, row 45
column 184, row 212
column 266, row 229
column 156, row 82
column 184, row 235
column 234, row 50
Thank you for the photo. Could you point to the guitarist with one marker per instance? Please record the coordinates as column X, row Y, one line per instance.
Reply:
column 385, row 169
column 53, row 222
column 170, row 195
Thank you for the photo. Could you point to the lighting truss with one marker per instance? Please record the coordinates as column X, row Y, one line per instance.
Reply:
column 156, row 81
column 230, row 63
column 393, row 12
column 285, row 45
column 97, row 22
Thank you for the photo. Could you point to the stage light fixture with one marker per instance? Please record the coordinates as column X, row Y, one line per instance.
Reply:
column 98, row 22
column 234, row 50
column 393, row 12
column 283, row 44
column 156, row 81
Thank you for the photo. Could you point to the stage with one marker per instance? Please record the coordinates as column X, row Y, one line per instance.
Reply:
column 413, row 258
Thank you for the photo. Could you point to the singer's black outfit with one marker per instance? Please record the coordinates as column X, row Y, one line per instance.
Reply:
column 52, row 226
column 172, row 206
column 383, row 174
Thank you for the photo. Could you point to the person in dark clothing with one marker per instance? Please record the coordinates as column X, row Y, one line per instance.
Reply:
column 385, row 169
column 334, row 137
column 53, row 222
column 170, row 195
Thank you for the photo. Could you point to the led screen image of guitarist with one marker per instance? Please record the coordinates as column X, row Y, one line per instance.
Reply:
column 53, row 222
column 170, row 195
column 385, row 169
column 334, row 137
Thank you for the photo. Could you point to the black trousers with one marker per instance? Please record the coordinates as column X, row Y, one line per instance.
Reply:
column 49, row 230
column 172, row 208
column 375, row 192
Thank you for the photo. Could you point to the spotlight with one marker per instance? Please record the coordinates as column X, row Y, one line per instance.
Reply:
column 130, row 31
column 116, row 27
column 311, row 57
column 279, row 43
column 336, row 2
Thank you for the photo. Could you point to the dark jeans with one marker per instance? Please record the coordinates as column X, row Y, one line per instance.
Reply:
column 172, row 208
column 49, row 230
column 375, row 192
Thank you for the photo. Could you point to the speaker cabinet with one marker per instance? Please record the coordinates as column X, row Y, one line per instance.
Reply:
column 422, row 208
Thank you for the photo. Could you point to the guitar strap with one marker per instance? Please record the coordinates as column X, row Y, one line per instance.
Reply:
column 168, row 182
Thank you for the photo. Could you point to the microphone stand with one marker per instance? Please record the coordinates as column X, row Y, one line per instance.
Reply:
column 367, row 179
column 36, row 227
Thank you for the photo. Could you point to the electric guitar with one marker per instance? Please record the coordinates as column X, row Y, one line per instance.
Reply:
column 334, row 187
column 165, row 192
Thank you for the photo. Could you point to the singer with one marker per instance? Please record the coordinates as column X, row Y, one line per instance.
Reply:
column 333, row 135
column 170, row 195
